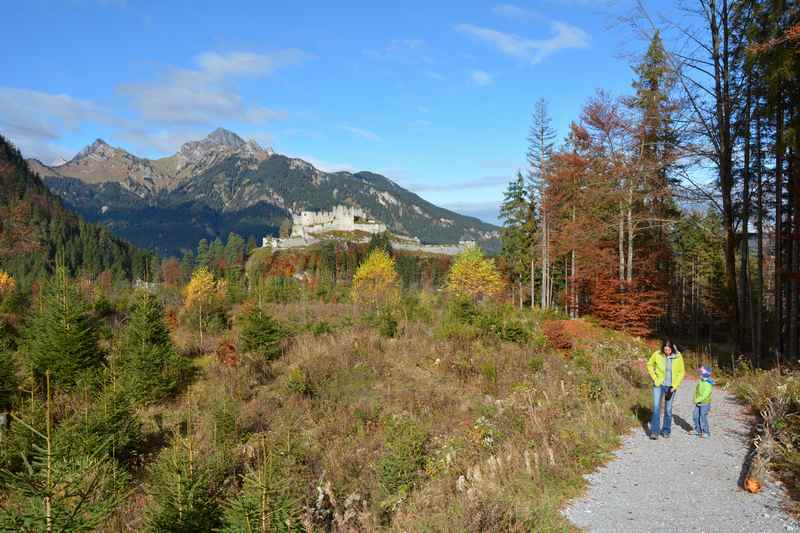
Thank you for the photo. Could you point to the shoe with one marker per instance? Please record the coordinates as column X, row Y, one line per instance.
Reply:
column 654, row 436
column 700, row 435
column 665, row 435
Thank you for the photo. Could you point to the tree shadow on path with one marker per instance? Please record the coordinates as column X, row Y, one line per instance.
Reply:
column 643, row 414
column 683, row 424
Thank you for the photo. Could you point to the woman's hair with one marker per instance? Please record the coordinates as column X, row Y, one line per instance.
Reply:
column 667, row 343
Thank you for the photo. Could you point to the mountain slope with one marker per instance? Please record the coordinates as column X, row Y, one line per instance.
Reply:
column 35, row 226
column 223, row 183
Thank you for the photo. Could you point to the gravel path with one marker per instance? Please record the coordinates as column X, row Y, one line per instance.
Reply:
column 682, row 483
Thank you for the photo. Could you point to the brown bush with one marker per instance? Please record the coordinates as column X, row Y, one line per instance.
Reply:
column 226, row 355
column 556, row 333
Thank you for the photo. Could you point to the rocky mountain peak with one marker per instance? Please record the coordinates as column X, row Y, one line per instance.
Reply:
column 98, row 150
column 219, row 143
column 224, row 137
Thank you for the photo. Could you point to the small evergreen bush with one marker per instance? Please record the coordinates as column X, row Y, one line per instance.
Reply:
column 261, row 334
column 150, row 368
column 403, row 457
column 62, row 336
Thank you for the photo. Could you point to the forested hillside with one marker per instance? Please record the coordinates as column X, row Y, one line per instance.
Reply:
column 35, row 228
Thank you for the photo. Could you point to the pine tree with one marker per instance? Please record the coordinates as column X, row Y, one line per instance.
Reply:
column 234, row 250
column 62, row 336
column 187, row 265
column 261, row 334
column 265, row 503
column 184, row 490
column 8, row 374
column 541, row 139
column 59, row 490
column 203, row 259
column 149, row 367
column 108, row 423
column 216, row 256
column 519, row 226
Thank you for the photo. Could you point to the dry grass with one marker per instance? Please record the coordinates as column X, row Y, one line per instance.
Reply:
column 508, row 428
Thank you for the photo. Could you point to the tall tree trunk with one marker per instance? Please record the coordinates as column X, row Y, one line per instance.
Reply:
column 533, row 282
column 792, row 267
column 759, row 322
column 744, row 266
column 630, row 237
column 720, row 39
column 778, row 288
column 621, row 245
column 547, row 292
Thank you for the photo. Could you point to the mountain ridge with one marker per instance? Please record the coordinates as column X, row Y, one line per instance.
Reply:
column 223, row 184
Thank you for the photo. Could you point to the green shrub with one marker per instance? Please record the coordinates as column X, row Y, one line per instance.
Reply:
column 414, row 308
column 536, row 363
column 225, row 413
column 265, row 503
column 403, row 457
column 282, row 290
column 297, row 381
column 149, row 366
column 321, row 328
column 110, row 423
column 62, row 336
column 582, row 360
column 185, row 490
column 18, row 440
column 514, row 331
column 261, row 334
column 387, row 323
column 593, row 387
column 8, row 378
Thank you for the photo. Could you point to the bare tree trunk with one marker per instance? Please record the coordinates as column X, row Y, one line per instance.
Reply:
column 630, row 237
column 573, row 312
column 759, row 321
column 792, row 267
column 744, row 266
column 720, row 39
column 545, row 300
column 533, row 282
column 621, row 243
column 779, row 228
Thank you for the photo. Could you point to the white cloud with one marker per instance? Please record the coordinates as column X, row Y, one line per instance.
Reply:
column 203, row 95
column 480, row 77
column 435, row 75
column 531, row 51
column 360, row 132
column 34, row 120
column 327, row 166
column 219, row 66
column 163, row 141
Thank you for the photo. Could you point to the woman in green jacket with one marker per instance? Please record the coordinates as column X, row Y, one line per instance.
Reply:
column 667, row 371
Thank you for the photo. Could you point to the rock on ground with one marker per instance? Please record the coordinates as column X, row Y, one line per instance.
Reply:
column 683, row 483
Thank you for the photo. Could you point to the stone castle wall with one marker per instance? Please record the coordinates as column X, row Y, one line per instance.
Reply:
column 340, row 218
column 307, row 225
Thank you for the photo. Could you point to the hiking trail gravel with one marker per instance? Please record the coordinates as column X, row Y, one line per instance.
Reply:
column 682, row 483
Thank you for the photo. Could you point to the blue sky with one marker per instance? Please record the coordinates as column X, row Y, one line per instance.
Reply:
column 435, row 95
